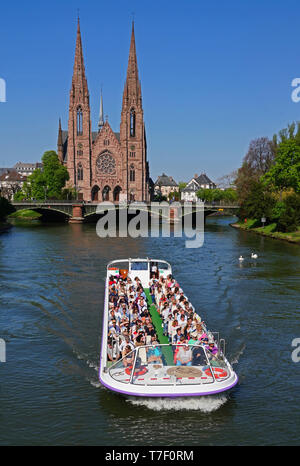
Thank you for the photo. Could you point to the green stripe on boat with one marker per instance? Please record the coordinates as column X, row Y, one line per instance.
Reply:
column 157, row 323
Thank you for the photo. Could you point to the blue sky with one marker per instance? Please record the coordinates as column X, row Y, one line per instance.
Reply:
column 214, row 75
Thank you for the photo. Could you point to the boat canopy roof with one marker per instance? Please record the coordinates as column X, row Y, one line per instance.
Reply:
column 138, row 259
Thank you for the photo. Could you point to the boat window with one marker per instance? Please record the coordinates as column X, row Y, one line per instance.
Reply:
column 163, row 266
column 139, row 265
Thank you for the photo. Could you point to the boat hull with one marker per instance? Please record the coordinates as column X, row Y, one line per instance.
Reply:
column 169, row 391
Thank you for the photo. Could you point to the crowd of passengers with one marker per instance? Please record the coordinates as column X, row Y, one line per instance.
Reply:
column 130, row 324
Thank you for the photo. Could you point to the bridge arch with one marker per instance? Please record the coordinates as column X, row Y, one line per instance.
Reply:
column 49, row 212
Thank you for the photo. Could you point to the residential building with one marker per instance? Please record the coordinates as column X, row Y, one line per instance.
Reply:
column 189, row 193
column 164, row 185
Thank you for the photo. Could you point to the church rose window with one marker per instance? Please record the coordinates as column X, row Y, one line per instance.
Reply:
column 106, row 164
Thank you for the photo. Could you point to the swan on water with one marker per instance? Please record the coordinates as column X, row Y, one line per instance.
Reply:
column 241, row 258
column 254, row 256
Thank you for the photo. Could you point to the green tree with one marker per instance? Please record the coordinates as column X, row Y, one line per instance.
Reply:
column 205, row 194
column 230, row 195
column 19, row 196
column 181, row 185
column 285, row 173
column 289, row 214
column 259, row 203
column 38, row 185
column 49, row 182
column 55, row 174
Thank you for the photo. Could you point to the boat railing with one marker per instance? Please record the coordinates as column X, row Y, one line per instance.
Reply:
column 222, row 345
column 160, row 365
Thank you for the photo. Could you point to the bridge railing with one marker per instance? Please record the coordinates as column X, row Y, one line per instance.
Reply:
column 214, row 205
column 47, row 202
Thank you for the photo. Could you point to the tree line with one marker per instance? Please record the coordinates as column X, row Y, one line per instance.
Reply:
column 268, row 182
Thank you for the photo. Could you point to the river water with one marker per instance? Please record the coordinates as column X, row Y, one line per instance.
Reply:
column 51, row 297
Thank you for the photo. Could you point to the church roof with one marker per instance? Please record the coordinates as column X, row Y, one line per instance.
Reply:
column 65, row 141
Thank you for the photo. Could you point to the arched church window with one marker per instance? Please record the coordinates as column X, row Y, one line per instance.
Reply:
column 79, row 172
column 132, row 173
column 132, row 123
column 79, row 121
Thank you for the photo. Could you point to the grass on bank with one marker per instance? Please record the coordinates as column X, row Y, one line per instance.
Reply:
column 25, row 214
column 268, row 230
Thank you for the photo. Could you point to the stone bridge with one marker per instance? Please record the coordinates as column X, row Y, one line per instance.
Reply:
column 80, row 211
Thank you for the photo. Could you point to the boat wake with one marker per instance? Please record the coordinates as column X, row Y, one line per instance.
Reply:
column 206, row 404
column 236, row 357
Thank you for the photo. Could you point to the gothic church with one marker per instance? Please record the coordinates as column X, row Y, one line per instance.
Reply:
column 105, row 165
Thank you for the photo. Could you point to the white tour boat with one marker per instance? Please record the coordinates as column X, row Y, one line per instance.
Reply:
column 158, row 368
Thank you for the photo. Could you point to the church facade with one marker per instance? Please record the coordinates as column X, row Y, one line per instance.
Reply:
column 104, row 165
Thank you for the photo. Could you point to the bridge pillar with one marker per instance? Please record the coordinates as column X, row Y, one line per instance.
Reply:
column 77, row 214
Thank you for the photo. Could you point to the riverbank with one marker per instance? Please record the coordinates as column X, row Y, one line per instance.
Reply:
column 25, row 214
column 269, row 231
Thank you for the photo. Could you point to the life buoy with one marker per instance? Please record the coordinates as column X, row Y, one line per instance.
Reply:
column 140, row 371
column 218, row 372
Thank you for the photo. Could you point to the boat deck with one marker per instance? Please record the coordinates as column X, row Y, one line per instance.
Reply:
column 158, row 374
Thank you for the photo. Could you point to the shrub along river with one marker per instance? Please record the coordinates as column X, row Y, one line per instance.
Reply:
column 51, row 304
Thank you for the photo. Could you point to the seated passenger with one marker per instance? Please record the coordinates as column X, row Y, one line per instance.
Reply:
column 154, row 354
column 125, row 343
column 128, row 357
column 187, row 331
column 114, row 328
column 145, row 315
column 184, row 356
column 112, row 353
column 182, row 322
column 177, row 347
column 149, row 330
column 199, row 358
column 176, row 338
column 142, row 305
column 173, row 329
column 142, row 354
column 211, row 348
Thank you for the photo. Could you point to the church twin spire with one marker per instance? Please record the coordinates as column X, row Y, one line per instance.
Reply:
column 132, row 90
column 79, row 82
column 132, row 94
